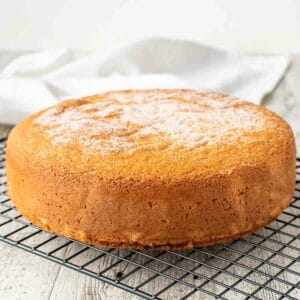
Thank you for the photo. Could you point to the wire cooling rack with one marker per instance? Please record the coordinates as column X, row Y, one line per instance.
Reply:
column 264, row 265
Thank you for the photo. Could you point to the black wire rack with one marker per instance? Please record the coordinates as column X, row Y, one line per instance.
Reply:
column 264, row 265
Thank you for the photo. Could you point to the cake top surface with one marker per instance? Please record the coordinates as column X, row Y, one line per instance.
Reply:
column 150, row 128
column 133, row 121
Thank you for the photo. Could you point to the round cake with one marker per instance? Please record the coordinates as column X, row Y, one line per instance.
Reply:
column 164, row 169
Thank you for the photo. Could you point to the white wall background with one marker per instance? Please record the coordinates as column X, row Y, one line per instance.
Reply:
column 243, row 25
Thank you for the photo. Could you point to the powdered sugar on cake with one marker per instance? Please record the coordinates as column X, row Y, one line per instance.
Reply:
column 133, row 121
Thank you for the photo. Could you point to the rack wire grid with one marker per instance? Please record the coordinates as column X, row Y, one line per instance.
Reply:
column 264, row 265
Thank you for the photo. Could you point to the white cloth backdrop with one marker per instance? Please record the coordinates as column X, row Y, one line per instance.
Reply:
column 34, row 81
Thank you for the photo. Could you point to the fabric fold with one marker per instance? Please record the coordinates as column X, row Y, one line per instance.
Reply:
column 37, row 80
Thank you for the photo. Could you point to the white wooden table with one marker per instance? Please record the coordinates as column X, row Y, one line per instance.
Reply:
column 27, row 276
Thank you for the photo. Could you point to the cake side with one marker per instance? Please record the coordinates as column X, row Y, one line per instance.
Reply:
column 186, row 214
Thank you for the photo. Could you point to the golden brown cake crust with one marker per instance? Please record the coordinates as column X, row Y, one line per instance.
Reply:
column 167, row 169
